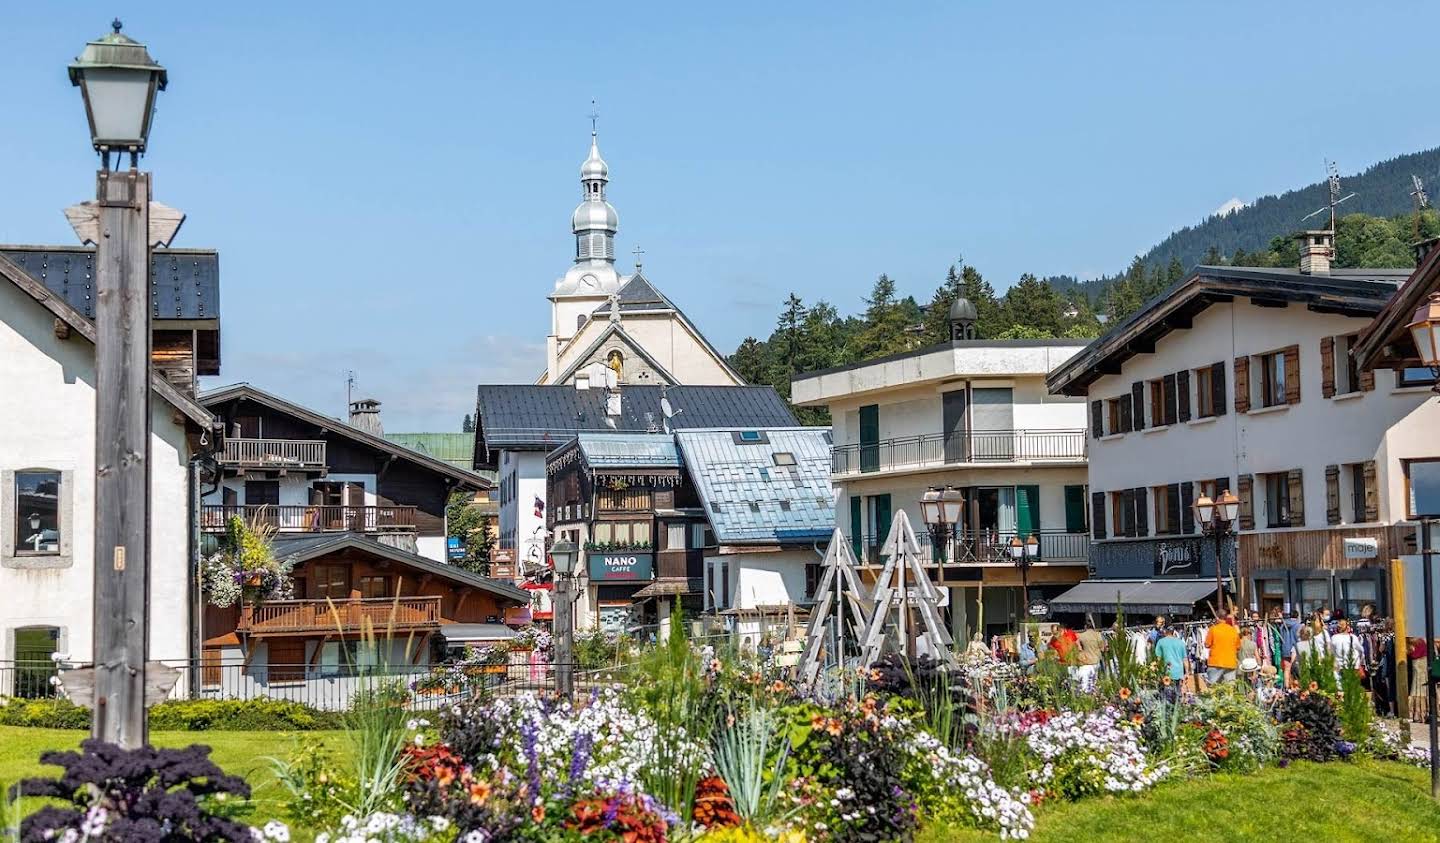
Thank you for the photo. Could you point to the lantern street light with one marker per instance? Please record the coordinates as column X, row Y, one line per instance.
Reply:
column 941, row 511
column 563, row 555
column 1218, row 518
column 1425, row 331
column 1024, row 554
column 118, row 81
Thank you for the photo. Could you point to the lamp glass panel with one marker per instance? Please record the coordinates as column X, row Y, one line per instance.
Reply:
column 1231, row 510
column 117, row 100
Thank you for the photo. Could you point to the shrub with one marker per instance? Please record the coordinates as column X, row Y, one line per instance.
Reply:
column 1086, row 754
column 1355, row 711
column 257, row 715
column 1244, row 737
column 57, row 713
column 1309, row 728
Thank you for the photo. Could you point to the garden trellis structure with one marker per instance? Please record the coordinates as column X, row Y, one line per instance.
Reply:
column 840, row 590
column 902, row 559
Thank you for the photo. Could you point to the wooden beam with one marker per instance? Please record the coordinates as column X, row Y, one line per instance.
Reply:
column 460, row 602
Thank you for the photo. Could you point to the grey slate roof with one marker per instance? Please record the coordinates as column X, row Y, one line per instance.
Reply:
column 543, row 417
column 750, row 499
column 184, row 283
column 303, row 546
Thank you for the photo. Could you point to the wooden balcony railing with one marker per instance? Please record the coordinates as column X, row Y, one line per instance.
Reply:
column 381, row 615
column 960, row 448
column 314, row 519
column 274, row 453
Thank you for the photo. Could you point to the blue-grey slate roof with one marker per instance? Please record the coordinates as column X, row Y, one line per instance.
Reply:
column 624, row 450
column 184, row 283
column 752, row 500
column 544, row 417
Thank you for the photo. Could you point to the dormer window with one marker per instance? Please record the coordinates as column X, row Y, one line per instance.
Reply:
column 783, row 458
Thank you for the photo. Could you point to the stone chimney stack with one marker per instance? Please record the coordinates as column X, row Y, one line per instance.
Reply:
column 365, row 415
column 1317, row 249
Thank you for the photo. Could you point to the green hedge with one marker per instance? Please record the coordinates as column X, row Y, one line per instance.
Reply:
column 258, row 715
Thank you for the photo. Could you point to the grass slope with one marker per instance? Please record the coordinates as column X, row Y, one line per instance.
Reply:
column 1320, row 802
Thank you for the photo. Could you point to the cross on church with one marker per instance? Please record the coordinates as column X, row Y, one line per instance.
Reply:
column 637, row 252
column 594, row 116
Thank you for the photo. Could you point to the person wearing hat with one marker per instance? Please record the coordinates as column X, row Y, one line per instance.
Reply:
column 1223, row 642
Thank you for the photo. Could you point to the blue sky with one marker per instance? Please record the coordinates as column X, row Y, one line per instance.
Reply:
column 390, row 185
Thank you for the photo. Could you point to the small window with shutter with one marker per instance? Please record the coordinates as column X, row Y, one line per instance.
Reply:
column 1204, row 392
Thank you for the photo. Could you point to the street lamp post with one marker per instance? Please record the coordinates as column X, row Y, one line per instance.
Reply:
column 1218, row 518
column 118, row 81
column 564, row 554
column 1425, row 331
column 941, row 512
column 1025, row 554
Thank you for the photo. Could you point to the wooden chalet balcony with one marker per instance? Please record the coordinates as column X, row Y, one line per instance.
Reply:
column 962, row 448
column 314, row 519
column 380, row 615
column 299, row 454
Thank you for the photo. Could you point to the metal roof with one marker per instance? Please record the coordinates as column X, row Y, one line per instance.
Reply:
column 751, row 499
column 540, row 417
column 302, row 547
column 458, row 449
column 1168, row 597
column 626, row 450
column 184, row 283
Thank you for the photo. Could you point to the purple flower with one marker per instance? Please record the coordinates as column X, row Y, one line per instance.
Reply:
column 528, row 736
column 580, row 759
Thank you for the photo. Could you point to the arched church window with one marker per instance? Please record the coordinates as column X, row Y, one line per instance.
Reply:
column 616, row 361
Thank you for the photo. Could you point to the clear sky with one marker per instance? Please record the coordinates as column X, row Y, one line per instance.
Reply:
column 390, row 185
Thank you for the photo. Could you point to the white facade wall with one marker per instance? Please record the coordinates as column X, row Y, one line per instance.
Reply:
column 1387, row 424
column 760, row 578
column 49, row 422
column 663, row 335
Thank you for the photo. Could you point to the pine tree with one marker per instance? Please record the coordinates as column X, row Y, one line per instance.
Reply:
column 1033, row 304
column 885, row 322
column 750, row 361
column 468, row 425
column 788, row 326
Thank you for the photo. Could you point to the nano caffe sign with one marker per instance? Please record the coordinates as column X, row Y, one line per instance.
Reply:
column 621, row 567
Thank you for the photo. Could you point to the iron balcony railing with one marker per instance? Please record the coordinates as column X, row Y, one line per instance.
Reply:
column 975, row 446
column 273, row 453
column 306, row 518
column 985, row 547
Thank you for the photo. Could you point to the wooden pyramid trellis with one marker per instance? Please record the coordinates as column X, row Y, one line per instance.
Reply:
column 840, row 591
column 902, row 560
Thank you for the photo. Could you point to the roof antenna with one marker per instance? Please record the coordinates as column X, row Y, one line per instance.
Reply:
column 1335, row 199
column 1422, row 201
column 349, row 390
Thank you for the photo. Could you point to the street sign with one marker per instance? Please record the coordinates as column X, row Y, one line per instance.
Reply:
column 914, row 596
column 1039, row 609
column 1361, row 548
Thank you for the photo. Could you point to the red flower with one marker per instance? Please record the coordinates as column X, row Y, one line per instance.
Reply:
column 537, row 813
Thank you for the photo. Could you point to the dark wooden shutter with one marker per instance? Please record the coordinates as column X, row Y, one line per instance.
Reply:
column 1292, row 375
column 1372, row 494
column 1182, row 387
column 1327, row 374
column 1367, row 380
column 1172, row 507
column 1246, row 483
column 1097, row 419
column 1219, row 397
column 1142, row 512
column 1242, row 384
column 1187, row 507
column 1296, row 481
column 1137, row 398
column 1126, row 421
column 1171, row 400
column 1097, row 515
column 1126, row 527
column 1074, row 509
column 1332, row 494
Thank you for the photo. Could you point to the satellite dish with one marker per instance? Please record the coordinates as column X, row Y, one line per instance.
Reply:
column 665, row 407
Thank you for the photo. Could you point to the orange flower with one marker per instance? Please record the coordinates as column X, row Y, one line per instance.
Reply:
column 479, row 792
column 833, row 726
column 817, row 721
column 874, row 675
column 1124, row 693
column 754, row 679
column 1314, row 686
column 1166, row 681
column 537, row 813
column 778, row 686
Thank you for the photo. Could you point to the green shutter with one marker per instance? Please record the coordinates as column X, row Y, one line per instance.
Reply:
column 855, row 528
column 881, row 527
column 870, row 437
column 1074, row 509
column 1027, row 510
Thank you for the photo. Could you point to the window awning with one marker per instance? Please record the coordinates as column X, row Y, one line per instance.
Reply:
column 463, row 632
column 1165, row 597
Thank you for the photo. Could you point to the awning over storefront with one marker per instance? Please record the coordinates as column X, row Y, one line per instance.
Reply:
column 1166, row 597
column 459, row 633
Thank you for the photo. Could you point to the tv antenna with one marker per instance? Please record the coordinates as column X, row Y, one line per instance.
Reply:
column 1422, row 201
column 1333, row 178
column 349, row 390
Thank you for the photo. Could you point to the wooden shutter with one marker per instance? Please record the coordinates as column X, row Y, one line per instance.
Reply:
column 1187, row 507
column 1097, row 419
column 1142, row 512
column 1292, row 375
column 1372, row 493
column 1217, row 389
column 1296, row 481
column 1327, row 373
column 1126, row 527
column 1182, row 386
column 1097, row 515
column 1367, row 380
column 1126, row 419
column 1172, row 507
column 1247, row 501
column 1332, row 494
column 1137, row 399
column 1074, row 509
column 1168, row 392
column 1242, row 384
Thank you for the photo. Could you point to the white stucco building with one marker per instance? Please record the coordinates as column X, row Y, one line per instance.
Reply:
column 47, row 481
column 1240, row 379
column 974, row 415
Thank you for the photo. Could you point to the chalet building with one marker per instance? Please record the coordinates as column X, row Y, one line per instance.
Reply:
column 767, row 496
column 359, row 605
column 305, row 472
column 624, row 499
column 458, row 449
column 517, row 426
column 47, row 459
column 974, row 415
column 1242, row 379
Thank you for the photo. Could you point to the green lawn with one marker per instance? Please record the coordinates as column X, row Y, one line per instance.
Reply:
column 1318, row 802
column 238, row 753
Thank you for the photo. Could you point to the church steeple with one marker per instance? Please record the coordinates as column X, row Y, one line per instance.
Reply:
column 595, row 221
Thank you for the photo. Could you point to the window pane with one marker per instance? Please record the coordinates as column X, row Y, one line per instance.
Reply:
column 604, row 534
column 675, row 537
column 37, row 511
column 640, row 532
column 1424, row 487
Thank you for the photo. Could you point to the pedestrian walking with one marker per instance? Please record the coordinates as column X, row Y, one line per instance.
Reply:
column 1091, row 648
column 1223, row 642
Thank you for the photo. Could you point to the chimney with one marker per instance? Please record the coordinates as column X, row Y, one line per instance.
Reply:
column 1317, row 248
column 365, row 414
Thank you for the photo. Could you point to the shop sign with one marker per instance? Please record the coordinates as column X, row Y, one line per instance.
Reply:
column 914, row 596
column 621, row 567
column 1177, row 558
column 517, row 615
column 1362, row 548
column 454, row 548
column 1039, row 609
column 503, row 556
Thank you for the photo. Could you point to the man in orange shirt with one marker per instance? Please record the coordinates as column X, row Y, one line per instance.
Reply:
column 1223, row 642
